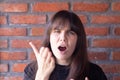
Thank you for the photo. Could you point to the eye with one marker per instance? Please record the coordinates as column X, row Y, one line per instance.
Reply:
column 72, row 32
column 57, row 31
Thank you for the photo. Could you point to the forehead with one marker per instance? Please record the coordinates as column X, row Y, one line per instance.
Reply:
column 61, row 24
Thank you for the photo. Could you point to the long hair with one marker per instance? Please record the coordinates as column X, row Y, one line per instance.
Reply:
column 78, row 66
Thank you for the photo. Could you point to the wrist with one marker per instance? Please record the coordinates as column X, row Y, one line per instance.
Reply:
column 41, row 76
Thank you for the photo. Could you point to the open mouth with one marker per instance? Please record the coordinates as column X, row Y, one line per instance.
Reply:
column 62, row 48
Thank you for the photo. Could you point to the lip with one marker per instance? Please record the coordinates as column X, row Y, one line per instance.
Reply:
column 62, row 45
column 62, row 52
column 62, row 48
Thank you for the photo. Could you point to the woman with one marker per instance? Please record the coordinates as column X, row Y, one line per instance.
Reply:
column 64, row 52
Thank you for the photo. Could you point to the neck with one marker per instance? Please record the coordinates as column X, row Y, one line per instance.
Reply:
column 63, row 62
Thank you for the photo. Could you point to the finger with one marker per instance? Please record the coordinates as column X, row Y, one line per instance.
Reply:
column 45, row 52
column 71, row 79
column 41, row 50
column 86, row 78
column 52, row 61
column 48, row 57
column 34, row 48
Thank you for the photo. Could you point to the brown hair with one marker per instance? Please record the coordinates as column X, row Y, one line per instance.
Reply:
column 78, row 66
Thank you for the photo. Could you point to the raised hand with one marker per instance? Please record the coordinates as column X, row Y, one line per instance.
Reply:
column 46, row 62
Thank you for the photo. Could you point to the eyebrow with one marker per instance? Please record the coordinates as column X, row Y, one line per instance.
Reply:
column 57, row 27
column 60, row 27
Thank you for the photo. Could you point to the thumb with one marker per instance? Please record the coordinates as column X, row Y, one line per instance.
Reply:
column 71, row 79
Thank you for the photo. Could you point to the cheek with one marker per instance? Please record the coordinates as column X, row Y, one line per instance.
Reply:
column 73, row 42
column 53, row 39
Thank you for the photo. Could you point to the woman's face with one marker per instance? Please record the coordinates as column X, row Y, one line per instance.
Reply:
column 63, row 42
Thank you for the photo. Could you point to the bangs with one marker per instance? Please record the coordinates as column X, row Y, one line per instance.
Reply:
column 62, row 22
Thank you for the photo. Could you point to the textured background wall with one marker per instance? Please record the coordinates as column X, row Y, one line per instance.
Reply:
column 22, row 21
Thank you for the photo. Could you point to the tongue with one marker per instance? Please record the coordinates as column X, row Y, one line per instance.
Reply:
column 62, row 48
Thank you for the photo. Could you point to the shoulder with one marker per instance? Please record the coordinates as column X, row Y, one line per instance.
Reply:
column 31, row 66
column 94, row 67
column 30, row 71
column 96, row 72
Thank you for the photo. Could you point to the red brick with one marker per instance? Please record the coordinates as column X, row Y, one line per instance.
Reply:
column 2, row 78
column 117, row 31
column 106, row 43
column 3, row 20
column 98, row 56
column 28, row 19
column 32, row 56
column 12, row 55
column 12, row 32
column 13, row 7
column 49, row 7
column 100, row 19
column 116, row 55
column 18, row 67
column 116, row 6
column 83, row 18
column 4, row 55
column 3, row 44
column 92, row 7
column 111, row 68
column 3, row 67
column 101, row 31
column 10, row 78
column 116, row 78
column 38, row 31
column 24, row 43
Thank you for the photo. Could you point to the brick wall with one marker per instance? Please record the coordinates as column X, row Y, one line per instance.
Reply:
column 22, row 21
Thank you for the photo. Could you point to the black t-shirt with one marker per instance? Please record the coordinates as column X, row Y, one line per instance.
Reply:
column 61, row 72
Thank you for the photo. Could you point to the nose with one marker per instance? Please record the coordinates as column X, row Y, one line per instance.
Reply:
column 63, row 36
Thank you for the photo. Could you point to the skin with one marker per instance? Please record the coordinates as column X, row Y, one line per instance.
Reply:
column 45, row 60
column 63, row 37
